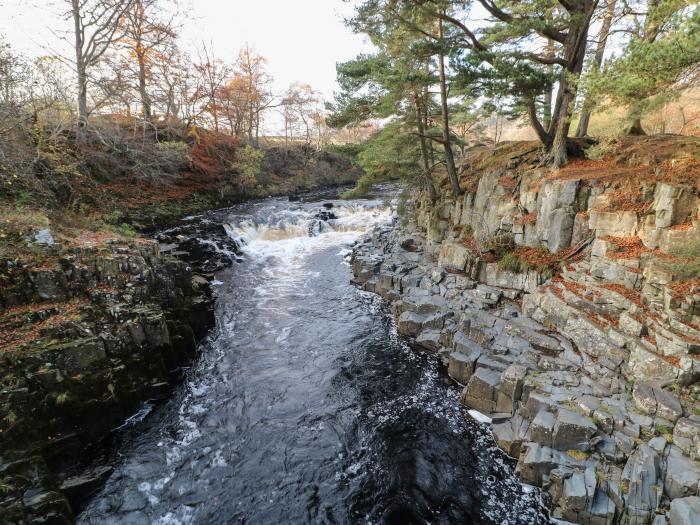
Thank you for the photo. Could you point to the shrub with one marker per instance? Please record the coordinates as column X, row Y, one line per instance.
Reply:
column 351, row 150
column 603, row 149
column 500, row 244
column 249, row 163
column 512, row 263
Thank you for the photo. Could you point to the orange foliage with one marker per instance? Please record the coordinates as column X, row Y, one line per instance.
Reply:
column 24, row 324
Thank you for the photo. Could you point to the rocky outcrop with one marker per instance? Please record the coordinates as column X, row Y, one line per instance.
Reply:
column 88, row 334
column 588, row 370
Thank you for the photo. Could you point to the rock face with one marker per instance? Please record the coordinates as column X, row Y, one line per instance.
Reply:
column 585, row 375
column 88, row 335
column 685, row 511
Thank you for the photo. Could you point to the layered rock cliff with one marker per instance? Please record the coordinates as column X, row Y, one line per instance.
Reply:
column 89, row 332
column 559, row 304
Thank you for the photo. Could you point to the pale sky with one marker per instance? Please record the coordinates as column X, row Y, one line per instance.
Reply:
column 302, row 39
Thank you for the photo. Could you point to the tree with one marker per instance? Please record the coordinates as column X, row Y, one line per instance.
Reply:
column 661, row 59
column 510, row 56
column 596, row 63
column 251, row 67
column 15, row 73
column 213, row 73
column 145, row 34
column 96, row 26
column 234, row 97
column 302, row 103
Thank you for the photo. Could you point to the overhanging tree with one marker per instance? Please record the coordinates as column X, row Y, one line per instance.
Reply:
column 511, row 54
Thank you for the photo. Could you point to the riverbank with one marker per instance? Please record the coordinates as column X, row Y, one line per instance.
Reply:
column 97, row 317
column 556, row 303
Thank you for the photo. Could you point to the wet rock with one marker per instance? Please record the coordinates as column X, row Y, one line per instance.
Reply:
column 79, row 488
column 410, row 323
column 480, row 392
column 325, row 215
column 685, row 511
column 461, row 366
column 47, row 507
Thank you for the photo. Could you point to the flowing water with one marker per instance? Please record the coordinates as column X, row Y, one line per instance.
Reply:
column 305, row 406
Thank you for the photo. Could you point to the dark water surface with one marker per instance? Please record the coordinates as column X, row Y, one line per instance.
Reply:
column 305, row 406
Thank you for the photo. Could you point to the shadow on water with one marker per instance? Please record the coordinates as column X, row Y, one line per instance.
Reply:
column 305, row 406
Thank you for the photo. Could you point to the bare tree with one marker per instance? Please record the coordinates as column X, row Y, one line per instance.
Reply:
column 145, row 34
column 260, row 98
column 96, row 25
column 302, row 102
column 214, row 74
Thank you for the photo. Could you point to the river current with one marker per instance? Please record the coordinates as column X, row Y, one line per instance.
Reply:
column 305, row 406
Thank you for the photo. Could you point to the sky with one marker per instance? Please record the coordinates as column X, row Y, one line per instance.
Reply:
column 302, row 39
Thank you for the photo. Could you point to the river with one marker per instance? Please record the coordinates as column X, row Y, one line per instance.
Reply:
column 304, row 405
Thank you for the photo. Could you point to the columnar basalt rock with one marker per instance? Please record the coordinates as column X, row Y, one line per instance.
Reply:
column 588, row 374
column 87, row 337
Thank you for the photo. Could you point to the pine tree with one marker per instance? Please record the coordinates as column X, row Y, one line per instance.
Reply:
column 660, row 60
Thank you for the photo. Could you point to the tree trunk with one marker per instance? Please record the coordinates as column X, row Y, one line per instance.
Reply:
column 574, row 54
column 651, row 31
column 449, row 156
column 80, row 70
column 424, row 149
column 145, row 98
column 634, row 126
column 547, row 109
column 582, row 129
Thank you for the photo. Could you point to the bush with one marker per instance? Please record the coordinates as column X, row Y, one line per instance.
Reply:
column 249, row 163
column 500, row 244
column 512, row 263
column 349, row 150
column 363, row 187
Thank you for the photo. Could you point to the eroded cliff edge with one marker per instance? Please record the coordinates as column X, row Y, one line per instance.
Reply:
column 558, row 306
